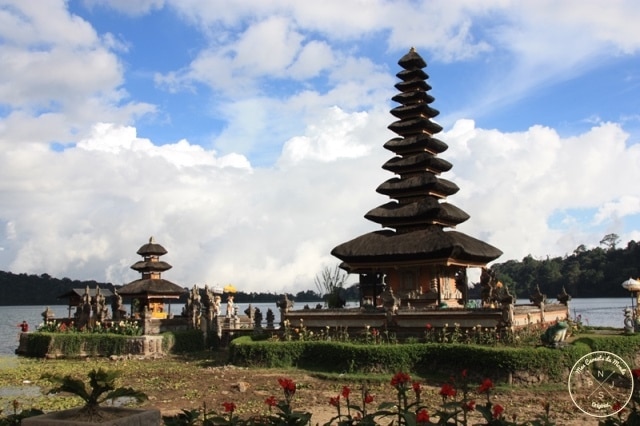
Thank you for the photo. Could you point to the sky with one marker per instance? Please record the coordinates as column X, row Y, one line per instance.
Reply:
column 247, row 136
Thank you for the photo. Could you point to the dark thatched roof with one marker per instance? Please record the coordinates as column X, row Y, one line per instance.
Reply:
column 80, row 292
column 152, row 249
column 156, row 266
column 429, row 245
column 151, row 287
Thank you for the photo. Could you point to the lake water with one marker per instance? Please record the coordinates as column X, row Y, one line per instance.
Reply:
column 594, row 312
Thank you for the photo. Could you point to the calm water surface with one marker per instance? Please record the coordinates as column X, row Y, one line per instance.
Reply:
column 594, row 312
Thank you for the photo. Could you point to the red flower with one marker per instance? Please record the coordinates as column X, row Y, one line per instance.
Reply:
column 447, row 391
column 416, row 388
column 636, row 373
column 485, row 386
column 469, row 406
column 422, row 416
column 345, row 392
column 400, row 379
column 428, row 327
column 335, row 401
column 229, row 407
column 374, row 332
column 271, row 401
column 616, row 407
column 368, row 398
column 288, row 386
column 497, row 411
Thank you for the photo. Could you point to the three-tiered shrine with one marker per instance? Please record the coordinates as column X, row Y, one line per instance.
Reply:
column 151, row 291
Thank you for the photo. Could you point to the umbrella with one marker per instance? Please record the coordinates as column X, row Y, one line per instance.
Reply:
column 631, row 285
column 229, row 288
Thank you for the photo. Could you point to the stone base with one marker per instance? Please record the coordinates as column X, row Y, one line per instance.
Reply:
column 113, row 416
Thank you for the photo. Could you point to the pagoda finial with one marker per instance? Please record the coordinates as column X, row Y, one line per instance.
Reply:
column 152, row 240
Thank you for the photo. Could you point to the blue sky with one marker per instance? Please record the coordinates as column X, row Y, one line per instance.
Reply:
column 246, row 136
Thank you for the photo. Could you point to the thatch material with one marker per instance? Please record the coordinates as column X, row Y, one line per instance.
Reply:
column 429, row 245
column 151, row 287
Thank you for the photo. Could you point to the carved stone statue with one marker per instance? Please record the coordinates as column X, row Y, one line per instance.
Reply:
column 284, row 304
column 257, row 318
column 230, row 309
column 117, row 310
column 564, row 297
column 629, row 321
column 193, row 307
column 488, row 282
column 555, row 334
column 270, row 318
column 390, row 302
column 250, row 312
column 537, row 298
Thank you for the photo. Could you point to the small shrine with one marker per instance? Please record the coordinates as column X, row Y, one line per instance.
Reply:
column 150, row 293
column 88, row 304
column 423, row 262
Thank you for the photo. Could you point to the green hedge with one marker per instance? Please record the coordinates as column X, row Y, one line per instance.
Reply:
column 418, row 357
column 73, row 344
column 183, row 341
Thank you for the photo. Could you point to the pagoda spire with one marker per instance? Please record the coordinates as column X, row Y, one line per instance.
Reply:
column 417, row 218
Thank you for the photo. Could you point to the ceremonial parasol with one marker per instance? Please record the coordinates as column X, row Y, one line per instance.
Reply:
column 229, row 288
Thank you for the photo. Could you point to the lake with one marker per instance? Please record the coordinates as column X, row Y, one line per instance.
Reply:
column 594, row 312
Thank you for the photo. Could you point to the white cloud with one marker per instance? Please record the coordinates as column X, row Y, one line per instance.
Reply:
column 331, row 138
column 294, row 165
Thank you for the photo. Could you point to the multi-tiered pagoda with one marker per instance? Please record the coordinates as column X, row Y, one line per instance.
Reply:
column 415, row 256
column 151, row 291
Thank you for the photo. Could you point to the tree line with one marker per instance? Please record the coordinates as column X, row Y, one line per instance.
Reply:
column 597, row 272
column 45, row 290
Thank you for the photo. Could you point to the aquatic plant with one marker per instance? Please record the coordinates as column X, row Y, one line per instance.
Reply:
column 102, row 387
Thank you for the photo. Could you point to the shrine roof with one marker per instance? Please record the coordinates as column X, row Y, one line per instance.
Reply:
column 428, row 245
column 151, row 286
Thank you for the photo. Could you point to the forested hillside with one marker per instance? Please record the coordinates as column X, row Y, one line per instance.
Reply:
column 23, row 289
column 598, row 272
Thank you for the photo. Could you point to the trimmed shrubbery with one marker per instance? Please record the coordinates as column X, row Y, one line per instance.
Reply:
column 497, row 361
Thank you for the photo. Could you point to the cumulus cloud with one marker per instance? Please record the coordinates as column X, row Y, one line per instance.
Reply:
column 296, row 106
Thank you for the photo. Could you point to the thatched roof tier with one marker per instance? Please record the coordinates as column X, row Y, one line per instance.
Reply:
column 415, row 144
column 152, row 249
column 408, row 98
column 412, row 60
column 424, row 212
column 414, row 126
column 151, row 266
column 428, row 246
column 79, row 292
column 412, row 74
column 423, row 184
column 413, row 84
column 157, row 287
column 417, row 163
column 408, row 111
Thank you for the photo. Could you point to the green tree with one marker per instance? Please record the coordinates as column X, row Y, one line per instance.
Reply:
column 610, row 241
